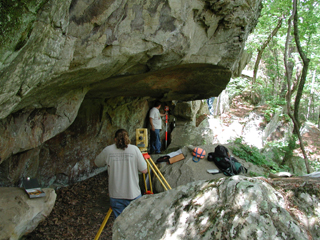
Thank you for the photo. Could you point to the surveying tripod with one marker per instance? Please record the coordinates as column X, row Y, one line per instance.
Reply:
column 142, row 144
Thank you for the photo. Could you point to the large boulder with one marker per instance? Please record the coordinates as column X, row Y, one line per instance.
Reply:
column 227, row 208
column 190, row 135
column 20, row 215
column 192, row 126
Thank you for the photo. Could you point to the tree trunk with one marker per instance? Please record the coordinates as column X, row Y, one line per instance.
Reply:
column 259, row 56
column 289, row 70
column 278, row 79
column 305, row 63
column 288, row 96
column 311, row 93
column 302, row 82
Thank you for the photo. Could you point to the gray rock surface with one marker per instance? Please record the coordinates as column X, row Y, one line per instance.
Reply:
column 187, row 111
column 190, row 135
column 102, row 45
column 72, row 72
column 227, row 208
column 186, row 171
column 20, row 215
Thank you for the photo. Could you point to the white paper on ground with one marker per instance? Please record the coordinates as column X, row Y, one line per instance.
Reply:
column 176, row 153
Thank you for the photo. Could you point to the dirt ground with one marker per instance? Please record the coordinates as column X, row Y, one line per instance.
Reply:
column 78, row 212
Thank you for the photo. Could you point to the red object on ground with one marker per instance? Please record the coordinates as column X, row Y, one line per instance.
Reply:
column 199, row 152
column 148, row 192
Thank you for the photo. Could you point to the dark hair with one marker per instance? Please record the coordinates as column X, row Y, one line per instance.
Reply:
column 157, row 103
column 122, row 139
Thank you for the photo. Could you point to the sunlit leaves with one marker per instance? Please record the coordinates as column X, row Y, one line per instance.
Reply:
column 271, row 67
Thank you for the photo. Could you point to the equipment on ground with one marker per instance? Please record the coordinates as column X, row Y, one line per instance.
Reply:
column 157, row 173
column 103, row 224
column 213, row 171
column 142, row 144
column 227, row 164
column 198, row 153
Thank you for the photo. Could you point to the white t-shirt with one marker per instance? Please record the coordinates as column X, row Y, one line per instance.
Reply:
column 156, row 118
column 123, row 167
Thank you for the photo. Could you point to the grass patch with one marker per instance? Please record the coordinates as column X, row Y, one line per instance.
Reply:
column 253, row 155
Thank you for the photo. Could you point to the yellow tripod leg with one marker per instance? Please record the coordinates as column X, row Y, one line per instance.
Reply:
column 155, row 172
column 103, row 224
column 145, row 181
column 150, row 183
column 157, row 169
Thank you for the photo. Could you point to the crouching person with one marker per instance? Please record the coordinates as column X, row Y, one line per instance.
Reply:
column 124, row 162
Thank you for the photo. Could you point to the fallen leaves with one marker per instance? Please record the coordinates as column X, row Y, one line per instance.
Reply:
column 78, row 212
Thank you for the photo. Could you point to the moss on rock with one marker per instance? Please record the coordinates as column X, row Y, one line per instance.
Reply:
column 16, row 20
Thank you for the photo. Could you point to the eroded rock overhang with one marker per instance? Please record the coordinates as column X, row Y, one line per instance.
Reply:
column 58, row 57
column 56, row 49
column 183, row 82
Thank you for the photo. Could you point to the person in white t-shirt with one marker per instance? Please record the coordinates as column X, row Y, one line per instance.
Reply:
column 155, row 124
column 124, row 162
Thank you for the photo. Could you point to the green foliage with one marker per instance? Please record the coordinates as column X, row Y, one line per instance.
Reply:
column 16, row 18
column 254, row 174
column 268, row 114
column 253, row 155
column 250, row 154
column 236, row 86
column 291, row 145
column 275, row 106
column 271, row 87
column 282, row 150
column 315, row 165
column 286, row 117
column 271, row 73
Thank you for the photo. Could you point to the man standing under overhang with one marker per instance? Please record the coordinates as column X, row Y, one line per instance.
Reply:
column 155, row 122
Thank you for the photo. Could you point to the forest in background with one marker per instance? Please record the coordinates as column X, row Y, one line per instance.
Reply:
column 284, row 71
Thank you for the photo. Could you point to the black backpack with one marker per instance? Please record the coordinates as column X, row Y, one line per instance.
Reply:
column 163, row 159
column 227, row 164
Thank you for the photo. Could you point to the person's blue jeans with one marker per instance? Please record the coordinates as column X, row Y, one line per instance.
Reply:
column 155, row 142
column 118, row 205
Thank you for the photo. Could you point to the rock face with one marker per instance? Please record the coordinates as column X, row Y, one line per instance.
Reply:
column 68, row 157
column 161, row 48
column 20, row 215
column 58, row 58
column 229, row 208
column 187, row 130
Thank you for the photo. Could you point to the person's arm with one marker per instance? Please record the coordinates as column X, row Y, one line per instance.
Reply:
column 151, row 123
column 142, row 164
column 100, row 160
column 145, row 171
